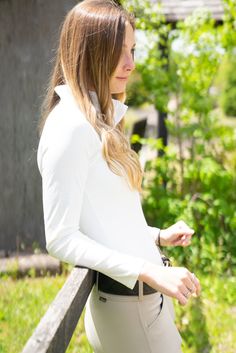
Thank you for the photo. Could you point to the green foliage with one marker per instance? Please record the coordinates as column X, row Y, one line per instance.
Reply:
column 228, row 42
column 196, row 66
column 203, row 195
column 156, row 80
column 136, row 91
column 208, row 323
column 195, row 179
column 229, row 92
column 228, row 30
column 229, row 101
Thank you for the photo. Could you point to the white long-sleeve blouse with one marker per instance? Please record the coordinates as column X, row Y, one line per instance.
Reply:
column 91, row 216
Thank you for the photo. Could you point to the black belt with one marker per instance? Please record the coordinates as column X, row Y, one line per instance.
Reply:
column 108, row 285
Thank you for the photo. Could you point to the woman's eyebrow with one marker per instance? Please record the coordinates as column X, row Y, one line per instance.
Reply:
column 124, row 45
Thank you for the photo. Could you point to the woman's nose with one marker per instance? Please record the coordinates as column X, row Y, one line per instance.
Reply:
column 129, row 64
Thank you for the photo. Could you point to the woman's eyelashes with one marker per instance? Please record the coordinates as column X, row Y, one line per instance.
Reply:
column 132, row 52
column 126, row 52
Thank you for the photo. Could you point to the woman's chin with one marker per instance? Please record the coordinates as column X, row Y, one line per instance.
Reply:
column 117, row 90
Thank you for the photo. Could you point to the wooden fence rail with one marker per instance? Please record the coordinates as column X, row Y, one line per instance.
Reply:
column 54, row 331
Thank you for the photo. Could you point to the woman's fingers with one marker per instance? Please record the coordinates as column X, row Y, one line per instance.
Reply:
column 190, row 287
column 196, row 283
column 183, row 240
column 183, row 228
column 182, row 299
column 181, row 234
column 186, row 240
column 176, row 282
column 189, row 283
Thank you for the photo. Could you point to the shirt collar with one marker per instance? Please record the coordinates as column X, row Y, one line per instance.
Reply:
column 65, row 94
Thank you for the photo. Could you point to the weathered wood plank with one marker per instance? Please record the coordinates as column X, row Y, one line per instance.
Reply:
column 55, row 329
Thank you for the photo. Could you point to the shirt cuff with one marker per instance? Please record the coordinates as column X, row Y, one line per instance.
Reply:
column 153, row 231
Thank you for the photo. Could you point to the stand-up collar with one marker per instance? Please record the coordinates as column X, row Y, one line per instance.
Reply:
column 65, row 94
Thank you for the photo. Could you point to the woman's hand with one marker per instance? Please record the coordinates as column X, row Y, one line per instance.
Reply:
column 177, row 234
column 176, row 282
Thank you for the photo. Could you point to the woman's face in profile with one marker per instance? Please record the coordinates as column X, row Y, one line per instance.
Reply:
column 126, row 64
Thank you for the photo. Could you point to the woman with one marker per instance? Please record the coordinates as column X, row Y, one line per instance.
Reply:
column 91, row 189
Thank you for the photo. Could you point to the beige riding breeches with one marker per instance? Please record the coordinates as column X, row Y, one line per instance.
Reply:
column 131, row 324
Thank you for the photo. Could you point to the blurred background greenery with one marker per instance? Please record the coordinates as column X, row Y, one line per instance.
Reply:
column 194, row 178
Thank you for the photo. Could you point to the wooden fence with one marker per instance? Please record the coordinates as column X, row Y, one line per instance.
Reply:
column 54, row 331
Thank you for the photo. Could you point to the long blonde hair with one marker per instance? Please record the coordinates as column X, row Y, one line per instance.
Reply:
column 90, row 45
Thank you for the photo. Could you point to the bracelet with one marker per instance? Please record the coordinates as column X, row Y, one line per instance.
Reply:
column 159, row 238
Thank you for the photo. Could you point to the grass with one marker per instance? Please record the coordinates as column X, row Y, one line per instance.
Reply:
column 23, row 302
column 207, row 324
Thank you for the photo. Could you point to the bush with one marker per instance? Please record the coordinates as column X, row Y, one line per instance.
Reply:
column 195, row 179
column 203, row 195
column 137, row 94
column 228, row 99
